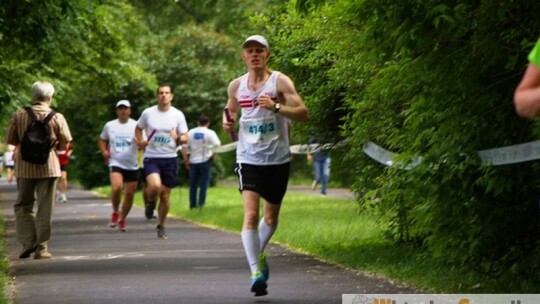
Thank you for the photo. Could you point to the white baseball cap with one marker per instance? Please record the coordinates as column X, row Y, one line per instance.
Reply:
column 257, row 38
column 124, row 103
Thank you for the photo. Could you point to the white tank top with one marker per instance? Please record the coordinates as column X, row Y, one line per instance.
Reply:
column 264, row 135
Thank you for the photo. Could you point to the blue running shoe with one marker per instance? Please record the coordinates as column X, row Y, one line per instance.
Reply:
column 263, row 266
column 258, row 285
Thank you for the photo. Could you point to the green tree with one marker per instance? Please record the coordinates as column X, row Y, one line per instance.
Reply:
column 198, row 63
column 86, row 49
column 429, row 78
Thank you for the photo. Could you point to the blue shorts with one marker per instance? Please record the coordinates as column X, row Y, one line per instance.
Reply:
column 167, row 168
column 269, row 181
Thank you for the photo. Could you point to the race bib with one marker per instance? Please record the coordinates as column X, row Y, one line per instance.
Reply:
column 122, row 143
column 161, row 139
column 260, row 130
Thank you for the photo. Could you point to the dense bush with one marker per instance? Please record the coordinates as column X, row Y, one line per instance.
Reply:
column 436, row 79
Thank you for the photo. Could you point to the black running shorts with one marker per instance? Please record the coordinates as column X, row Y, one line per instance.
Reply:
column 269, row 181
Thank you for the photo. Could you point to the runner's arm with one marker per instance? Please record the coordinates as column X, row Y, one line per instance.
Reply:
column 527, row 94
column 292, row 105
column 232, row 106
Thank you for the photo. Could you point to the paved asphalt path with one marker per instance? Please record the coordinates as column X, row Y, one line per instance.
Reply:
column 93, row 263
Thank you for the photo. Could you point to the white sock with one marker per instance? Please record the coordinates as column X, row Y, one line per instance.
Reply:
column 265, row 233
column 250, row 240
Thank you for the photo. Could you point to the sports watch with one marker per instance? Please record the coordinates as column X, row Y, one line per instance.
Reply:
column 277, row 106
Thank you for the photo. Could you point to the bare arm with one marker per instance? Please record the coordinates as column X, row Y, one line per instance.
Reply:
column 232, row 106
column 183, row 139
column 292, row 105
column 527, row 94
column 102, row 144
column 139, row 140
column 69, row 151
column 185, row 157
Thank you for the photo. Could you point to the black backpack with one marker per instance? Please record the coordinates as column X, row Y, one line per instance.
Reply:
column 36, row 143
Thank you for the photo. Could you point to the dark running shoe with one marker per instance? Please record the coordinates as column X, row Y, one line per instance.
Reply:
column 258, row 285
column 149, row 210
column 161, row 232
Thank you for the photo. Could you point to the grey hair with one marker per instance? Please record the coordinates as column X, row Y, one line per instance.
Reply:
column 42, row 91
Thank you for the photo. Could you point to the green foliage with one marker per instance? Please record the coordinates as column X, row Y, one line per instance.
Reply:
column 305, row 6
column 96, row 53
column 198, row 64
column 87, row 50
column 27, row 36
column 433, row 79
column 112, row 70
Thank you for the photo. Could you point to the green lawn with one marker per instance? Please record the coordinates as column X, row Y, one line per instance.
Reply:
column 333, row 230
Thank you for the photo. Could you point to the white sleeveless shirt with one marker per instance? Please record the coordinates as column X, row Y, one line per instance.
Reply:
column 264, row 135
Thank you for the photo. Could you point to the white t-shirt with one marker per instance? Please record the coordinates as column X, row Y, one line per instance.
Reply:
column 200, row 141
column 158, row 126
column 122, row 148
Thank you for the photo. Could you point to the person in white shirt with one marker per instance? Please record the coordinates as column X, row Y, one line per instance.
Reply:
column 9, row 162
column 120, row 153
column 198, row 156
column 166, row 128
